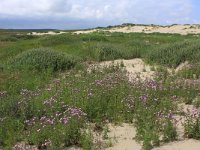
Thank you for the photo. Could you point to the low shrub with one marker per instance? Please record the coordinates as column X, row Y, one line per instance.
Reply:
column 107, row 52
column 174, row 54
column 41, row 59
column 192, row 124
column 55, row 130
column 104, row 52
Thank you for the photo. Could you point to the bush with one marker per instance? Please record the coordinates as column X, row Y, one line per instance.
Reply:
column 174, row 54
column 192, row 124
column 104, row 52
column 41, row 59
column 108, row 52
column 15, row 37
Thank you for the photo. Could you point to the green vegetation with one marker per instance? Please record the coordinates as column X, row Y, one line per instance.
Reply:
column 40, row 59
column 191, row 72
column 174, row 54
column 95, row 45
column 49, row 100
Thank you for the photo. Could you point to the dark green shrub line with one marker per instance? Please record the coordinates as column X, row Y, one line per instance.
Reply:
column 43, row 59
column 108, row 46
column 174, row 54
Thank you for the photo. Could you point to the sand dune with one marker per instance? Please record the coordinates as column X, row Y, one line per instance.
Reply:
column 45, row 33
column 175, row 29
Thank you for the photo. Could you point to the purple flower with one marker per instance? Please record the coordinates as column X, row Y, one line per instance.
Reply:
column 144, row 98
column 76, row 112
column 65, row 120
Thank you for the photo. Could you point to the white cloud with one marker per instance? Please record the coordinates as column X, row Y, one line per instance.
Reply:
column 144, row 11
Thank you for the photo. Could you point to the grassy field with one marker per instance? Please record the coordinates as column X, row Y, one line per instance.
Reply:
column 48, row 99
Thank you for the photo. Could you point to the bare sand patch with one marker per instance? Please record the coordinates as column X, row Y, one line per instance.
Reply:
column 45, row 33
column 135, row 68
column 188, row 144
column 120, row 137
column 123, row 137
column 86, row 31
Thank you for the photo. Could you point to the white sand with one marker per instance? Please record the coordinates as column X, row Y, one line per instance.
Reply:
column 136, row 68
column 46, row 33
column 175, row 29
column 86, row 31
column 122, row 137
column 188, row 144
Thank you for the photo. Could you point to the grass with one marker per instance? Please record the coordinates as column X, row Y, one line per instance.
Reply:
column 191, row 72
column 127, row 45
column 48, row 99
column 174, row 54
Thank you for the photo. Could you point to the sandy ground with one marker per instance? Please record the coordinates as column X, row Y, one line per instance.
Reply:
column 57, row 33
column 86, row 32
column 47, row 33
column 122, row 137
column 135, row 68
column 175, row 29
column 188, row 144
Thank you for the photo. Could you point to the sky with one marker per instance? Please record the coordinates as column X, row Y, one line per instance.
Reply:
column 79, row 14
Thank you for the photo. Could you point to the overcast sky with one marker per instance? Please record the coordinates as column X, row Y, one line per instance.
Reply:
column 74, row 14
